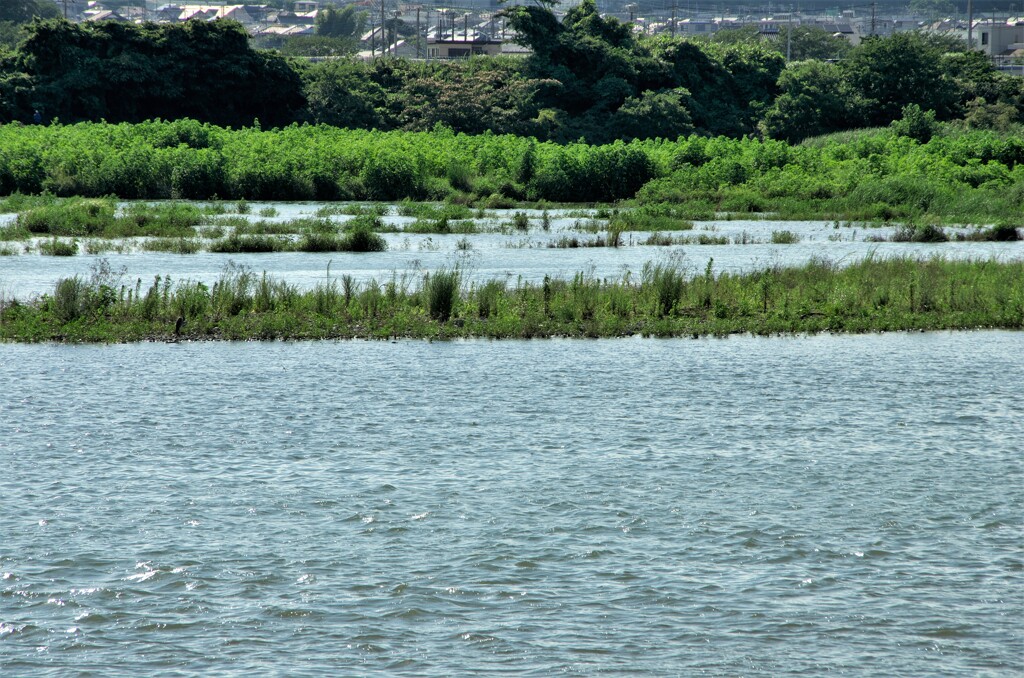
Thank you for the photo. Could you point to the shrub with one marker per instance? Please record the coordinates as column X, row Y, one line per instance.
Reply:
column 390, row 175
column 70, row 298
column 362, row 239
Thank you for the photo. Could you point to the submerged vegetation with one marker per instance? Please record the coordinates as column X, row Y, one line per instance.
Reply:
column 664, row 300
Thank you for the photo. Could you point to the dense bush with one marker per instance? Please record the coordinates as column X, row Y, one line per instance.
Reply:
column 971, row 175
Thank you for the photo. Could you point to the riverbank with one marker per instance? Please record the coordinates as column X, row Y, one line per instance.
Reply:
column 893, row 294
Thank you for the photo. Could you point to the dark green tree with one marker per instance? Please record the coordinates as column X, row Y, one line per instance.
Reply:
column 815, row 100
column 23, row 11
column 812, row 42
column 123, row 72
column 891, row 72
column 347, row 22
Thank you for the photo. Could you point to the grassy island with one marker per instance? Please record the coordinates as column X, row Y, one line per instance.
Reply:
column 664, row 300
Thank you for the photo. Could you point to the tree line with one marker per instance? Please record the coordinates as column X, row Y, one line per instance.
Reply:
column 588, row 77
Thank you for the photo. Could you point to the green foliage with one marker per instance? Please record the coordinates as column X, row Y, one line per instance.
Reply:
column 23, row 11
column 73, row 218
column 58, row 248
column 117, row 71
column 347, row 22
column 667, row 283
column 814, row 100
column 811, row 42
column 892, row 72
column 784, row 238
column 966, row 175
column 915, row 124
column 389, row 175
column 360, row 238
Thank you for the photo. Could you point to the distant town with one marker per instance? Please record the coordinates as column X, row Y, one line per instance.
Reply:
column 474, row 27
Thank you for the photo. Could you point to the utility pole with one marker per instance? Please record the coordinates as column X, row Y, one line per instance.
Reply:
column 872, row 18
column 789, row 35
column 970, row 24
column 418, row 36
column 673, row 31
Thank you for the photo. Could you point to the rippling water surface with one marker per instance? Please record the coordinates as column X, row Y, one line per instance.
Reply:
column 503, row 256
column 723, row 507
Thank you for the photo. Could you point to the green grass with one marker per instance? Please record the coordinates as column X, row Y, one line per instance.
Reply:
column 667, row 300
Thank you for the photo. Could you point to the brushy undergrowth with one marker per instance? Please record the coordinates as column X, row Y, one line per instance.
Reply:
column 876, row 294
column 875, row 175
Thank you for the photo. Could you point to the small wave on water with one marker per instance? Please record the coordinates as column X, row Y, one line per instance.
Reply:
column 721, row 507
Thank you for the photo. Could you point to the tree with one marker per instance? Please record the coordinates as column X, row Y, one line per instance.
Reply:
column 812, row 42
column 932, row 8
column 815, row 100
column 23, row 11
column 902, row 69
column 123, row 72
column 340, row 23
column 915, row 123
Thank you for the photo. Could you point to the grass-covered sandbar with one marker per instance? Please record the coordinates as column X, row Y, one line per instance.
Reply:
column 876, row 294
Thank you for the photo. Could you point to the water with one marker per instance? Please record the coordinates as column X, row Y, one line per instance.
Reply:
column 808, row 505
column 503, row 256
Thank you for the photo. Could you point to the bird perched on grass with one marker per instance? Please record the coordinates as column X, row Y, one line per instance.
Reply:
column 178, row 324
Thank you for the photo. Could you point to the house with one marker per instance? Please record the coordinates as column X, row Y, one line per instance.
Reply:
column 996, row 38
column 103, row 15
column 461, row 43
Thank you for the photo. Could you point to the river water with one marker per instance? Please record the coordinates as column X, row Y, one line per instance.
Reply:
column 486, row 256
column 741, row 506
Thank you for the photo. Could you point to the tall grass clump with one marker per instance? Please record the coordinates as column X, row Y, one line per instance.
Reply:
column 70, row 297
column 784, row 238
column 441, row 291
column 488, row 296
column 55, row 247
column 317, row 241
column 520, row 221
column 666, row 282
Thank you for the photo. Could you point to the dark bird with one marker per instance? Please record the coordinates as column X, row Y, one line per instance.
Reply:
column 178, row 324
